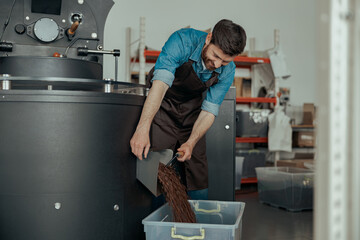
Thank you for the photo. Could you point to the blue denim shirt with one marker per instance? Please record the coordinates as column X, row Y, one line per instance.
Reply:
column 187, row 44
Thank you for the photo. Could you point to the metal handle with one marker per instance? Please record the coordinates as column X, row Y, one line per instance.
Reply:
column 173, row 235
column 84, row 51
column 179, row 154
column 197, row 209
column 173, row 160
column 73, row 28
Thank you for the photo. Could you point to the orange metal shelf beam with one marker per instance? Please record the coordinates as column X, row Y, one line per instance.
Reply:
column 251, row 139
column 258, row 99
column 239, row 61
column 151, row 53
column 249, row 180
column 251, row 59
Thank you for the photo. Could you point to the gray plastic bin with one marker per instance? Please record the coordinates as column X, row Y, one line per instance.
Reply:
column 215, row 220
column 252, row 123
column 286, row 187
column 253, row 158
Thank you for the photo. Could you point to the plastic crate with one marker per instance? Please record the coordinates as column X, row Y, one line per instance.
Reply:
column 253, row 158
column 286, row 187
column 214, row 220
column 252, row 123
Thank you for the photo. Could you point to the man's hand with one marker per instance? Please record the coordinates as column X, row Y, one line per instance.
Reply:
column 202, row 124
column 140, row 143
column 187, row 149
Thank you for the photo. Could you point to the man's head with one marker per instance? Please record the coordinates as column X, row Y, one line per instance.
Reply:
column 223, row 44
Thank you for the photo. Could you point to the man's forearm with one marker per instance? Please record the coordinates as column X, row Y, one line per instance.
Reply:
column 140, row 141
column 201, row 126
column 152, row 104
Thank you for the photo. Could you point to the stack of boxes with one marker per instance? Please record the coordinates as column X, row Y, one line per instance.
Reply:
column 243, row 87
column 303, row 137
column 306, row 138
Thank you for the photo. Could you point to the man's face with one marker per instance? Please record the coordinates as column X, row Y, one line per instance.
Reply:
column 214, row 57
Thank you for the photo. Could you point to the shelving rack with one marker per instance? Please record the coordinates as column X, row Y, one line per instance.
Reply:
column 240, row 61
column 247, row 62
column 249, row 180
column 251, row 139
column 250, row 100
column 255, row 99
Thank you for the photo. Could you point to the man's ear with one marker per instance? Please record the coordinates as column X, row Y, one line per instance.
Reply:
column 208, row 38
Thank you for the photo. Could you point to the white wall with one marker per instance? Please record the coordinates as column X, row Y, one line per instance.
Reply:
column 294, row 18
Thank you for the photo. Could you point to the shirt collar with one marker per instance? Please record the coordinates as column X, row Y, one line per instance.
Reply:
column 196, row 56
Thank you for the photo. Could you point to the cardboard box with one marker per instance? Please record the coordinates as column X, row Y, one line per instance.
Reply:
column 238, row 85
column 304, row 139
column 298, row 163
column 246, row 87
column 308, row 114
column 304, row 156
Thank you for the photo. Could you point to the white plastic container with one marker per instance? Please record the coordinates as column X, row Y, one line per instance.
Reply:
column 215, row 220
column 286, row 187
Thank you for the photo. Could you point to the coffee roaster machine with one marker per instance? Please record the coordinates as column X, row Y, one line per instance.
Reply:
column 66, row 169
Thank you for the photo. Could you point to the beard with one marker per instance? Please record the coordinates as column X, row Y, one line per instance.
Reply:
column 208, row 63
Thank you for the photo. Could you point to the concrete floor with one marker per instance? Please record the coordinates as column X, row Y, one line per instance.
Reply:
column 263, row 222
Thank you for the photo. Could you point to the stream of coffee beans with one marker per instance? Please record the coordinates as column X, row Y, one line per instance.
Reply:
column 175, row 194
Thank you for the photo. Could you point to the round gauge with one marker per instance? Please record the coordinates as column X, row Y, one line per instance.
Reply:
column 46, row 29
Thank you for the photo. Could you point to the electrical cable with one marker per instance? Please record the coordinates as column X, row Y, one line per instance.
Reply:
column 7, row 20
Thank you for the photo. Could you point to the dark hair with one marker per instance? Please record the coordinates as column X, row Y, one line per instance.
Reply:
column 229, row 37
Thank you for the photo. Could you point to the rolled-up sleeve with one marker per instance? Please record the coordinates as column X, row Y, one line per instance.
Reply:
column 216, row 93
column 210, row 107
column 164, row 76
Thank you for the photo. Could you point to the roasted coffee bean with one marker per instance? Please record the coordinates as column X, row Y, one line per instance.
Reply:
column 175, row 194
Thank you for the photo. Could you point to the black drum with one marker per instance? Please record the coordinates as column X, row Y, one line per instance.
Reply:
column 66, row 169
column 50, row 67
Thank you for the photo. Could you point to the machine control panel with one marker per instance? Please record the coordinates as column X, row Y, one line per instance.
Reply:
column 43, row 27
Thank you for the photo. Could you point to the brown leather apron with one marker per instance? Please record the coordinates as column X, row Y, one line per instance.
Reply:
column 172, row 125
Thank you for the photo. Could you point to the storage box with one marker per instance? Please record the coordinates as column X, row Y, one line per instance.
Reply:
column 286, row 187
column 252, row 123
column 252, row 158
column 304, row 139
column 298, row 163
column 308, row 113
column 304, row 156
column 238, row 85
column 246, row 88
column 215, row 220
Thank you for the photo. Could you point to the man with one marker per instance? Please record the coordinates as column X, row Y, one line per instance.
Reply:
column 191, row 64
